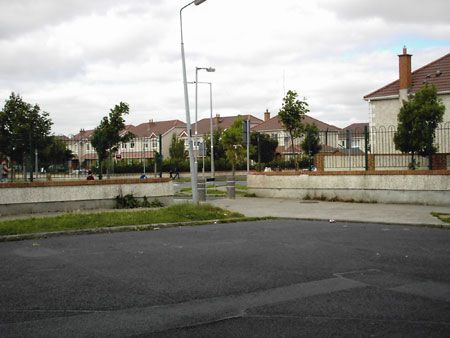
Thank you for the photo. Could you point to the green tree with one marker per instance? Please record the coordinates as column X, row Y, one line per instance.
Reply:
column 109, row 134
column 291, row 115
column 177, row 151
column 263, row 147
column 232, row 140
column 417, row 122
column 56, row 152
column 23, row 130
column 219, row 151
column 311, row 143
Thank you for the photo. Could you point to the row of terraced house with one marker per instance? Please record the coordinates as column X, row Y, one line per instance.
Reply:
column 349, row 145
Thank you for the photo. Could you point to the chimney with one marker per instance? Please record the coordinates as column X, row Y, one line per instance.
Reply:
column 405, row 73
column 217, row 119
column 266, row 115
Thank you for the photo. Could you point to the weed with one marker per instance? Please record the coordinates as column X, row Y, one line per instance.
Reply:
column 156, row 203
column 130, row 202
column 126, row 202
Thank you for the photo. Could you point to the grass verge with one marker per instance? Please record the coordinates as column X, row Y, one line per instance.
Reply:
column 443, row 217
column 72, row 221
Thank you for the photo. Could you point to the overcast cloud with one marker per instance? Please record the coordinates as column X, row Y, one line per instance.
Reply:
column 77, row 58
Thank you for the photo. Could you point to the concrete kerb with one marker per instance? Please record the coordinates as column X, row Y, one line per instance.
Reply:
column 124, row 228
column 400, row 214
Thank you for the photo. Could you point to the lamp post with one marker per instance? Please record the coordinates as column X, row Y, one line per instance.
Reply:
column 209, row 70
column 210, row 123
column 193, row 169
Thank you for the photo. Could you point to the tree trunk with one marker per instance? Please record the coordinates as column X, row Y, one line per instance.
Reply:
column 100, row 176
column 293, row 152
column 24, row 167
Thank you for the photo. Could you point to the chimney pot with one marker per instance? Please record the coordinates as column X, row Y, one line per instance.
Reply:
column 405, row 69
column 266, row 115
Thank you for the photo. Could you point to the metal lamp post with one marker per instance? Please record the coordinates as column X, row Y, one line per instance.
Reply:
column 193, row 169
column 209, row 70
column 210, row 123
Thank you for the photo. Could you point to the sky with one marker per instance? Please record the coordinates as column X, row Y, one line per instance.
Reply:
column 77, row 59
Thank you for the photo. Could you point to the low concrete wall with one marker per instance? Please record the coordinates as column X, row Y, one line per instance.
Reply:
column 37, row 197
column 426, row 187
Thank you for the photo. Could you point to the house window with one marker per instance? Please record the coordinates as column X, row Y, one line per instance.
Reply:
column 124, row 145
column 88, row 147
column 132, row 145
column 154, row 143
column 145, row 145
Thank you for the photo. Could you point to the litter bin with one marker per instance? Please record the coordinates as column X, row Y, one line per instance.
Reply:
column 201, row 187
column 231, row 189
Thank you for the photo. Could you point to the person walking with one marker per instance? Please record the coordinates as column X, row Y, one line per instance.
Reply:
column 5, row 171
column 90, row 176
column 177, row 173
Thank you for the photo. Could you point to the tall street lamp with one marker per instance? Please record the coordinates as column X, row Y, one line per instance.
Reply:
column 193, row 169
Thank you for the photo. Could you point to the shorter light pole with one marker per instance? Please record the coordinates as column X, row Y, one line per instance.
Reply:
column 210, row 123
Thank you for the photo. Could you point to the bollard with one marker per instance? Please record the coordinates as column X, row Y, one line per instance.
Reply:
column 201, row 185
column 231, row 192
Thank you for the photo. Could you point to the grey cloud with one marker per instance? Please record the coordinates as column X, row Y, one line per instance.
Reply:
column 393, row 11
column 28, row 64
column 22, row 16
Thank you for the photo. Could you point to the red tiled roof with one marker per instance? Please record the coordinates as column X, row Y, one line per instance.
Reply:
column 224, row 123
column 157, row 128
column 357, row 127
column 275, row 124
column 83, row 134
column 426, row 74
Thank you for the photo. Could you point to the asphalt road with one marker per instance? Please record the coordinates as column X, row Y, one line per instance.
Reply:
column 279, row 278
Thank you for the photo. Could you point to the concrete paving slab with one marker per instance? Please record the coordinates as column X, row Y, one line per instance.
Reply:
column 354, row 212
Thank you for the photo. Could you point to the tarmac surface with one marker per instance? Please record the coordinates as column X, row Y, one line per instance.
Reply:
column 274, row 278
column 406, row 214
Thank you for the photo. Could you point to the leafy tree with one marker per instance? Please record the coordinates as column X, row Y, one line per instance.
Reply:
column 267, row 147
column 232, row 140
column 56, row 152
column 417, row 122
column 311, row 143
column 219, row 151
column 177, row 151
column 23, row 129
column 291, row 115
column 108, row 134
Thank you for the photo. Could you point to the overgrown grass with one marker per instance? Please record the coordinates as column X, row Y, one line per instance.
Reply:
column 75, row 221
column 334, row 199
column 443, row 217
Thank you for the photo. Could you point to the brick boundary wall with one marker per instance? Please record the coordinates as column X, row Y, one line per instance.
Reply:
column 81, row 182
column 56, row 196
column 353, row 173
column 430, row 187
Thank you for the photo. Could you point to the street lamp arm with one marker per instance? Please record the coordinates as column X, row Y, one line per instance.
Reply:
column 181, row 18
